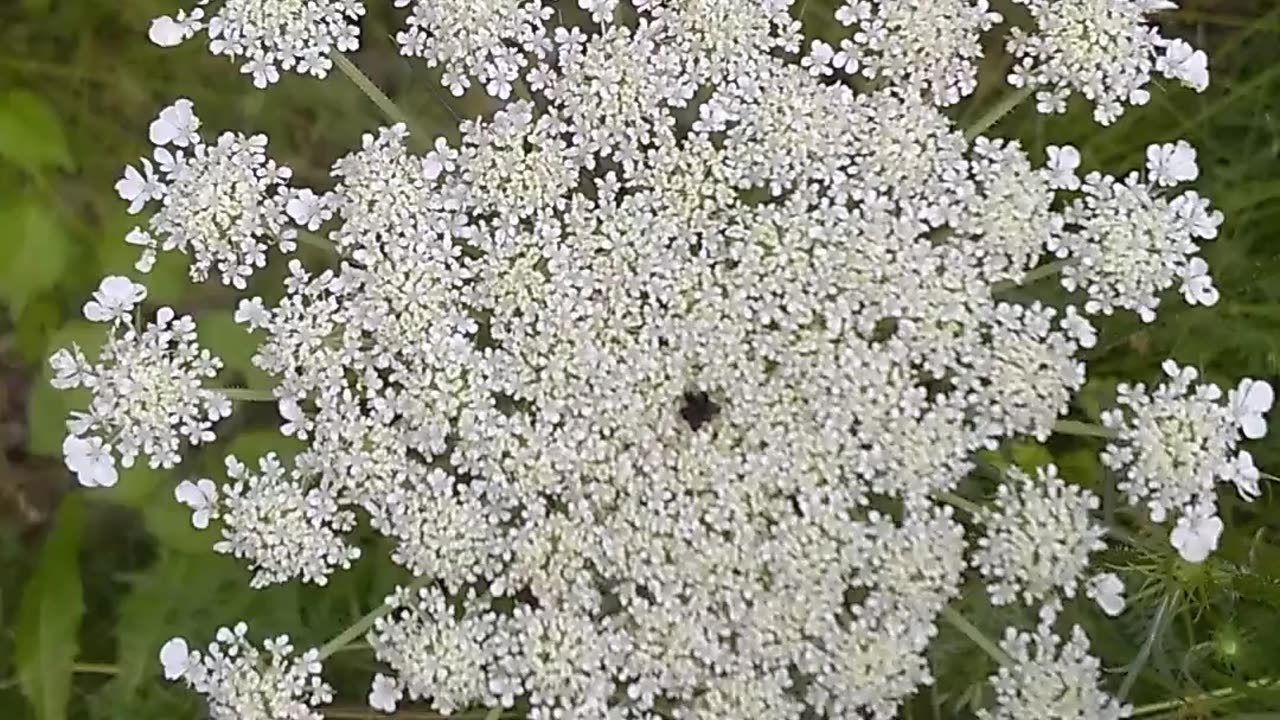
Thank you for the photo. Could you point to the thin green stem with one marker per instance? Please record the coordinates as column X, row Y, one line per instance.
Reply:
column 971, row 631
column 963, row 503
column 1219, row 694
column 95, row 669
column 306, row 237
column 362, row 625
column 371, row 91
column 1039, row 273
column 997, row 112
column 341, row 713
column 245, row 394
column 1083, row 429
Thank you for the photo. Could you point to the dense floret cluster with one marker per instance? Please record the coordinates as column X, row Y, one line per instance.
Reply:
column 269, row 35
column 662, row 379
column 148, row 385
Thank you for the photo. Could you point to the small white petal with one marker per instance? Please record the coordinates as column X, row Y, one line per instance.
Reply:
column 175, row 656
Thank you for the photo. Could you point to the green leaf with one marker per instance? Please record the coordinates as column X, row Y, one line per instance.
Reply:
column 31, row 135
column 33, row 252
column 179, row 594
column 1030, row 455
column 38, row 321
column 49, row 619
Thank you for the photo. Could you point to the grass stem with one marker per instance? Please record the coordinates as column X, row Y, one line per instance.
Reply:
column 361, row 626
column 1083, row 429
column 1144, row 653
column 964, row 504
column 971, row 631
column 1226, row 693
column 371, row 91
column 94, row 669
column 246, row 395
column 996, row 112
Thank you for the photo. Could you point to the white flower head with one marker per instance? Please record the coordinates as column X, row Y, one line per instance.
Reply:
column 139, row 188
column 1129, row 242
column 1172, row 163
column 385, row 693
column 1039, row 536
column 1174, row 443
column 1196, row 536
column 1185, row 64
column 294, row 419
column 240, row 680
column 924, row 46
column 1250, row 402
column 253, row 313
column 1246, row 477
column 627, row 368
column 176, row 658
column 1104, row 51
column 147, row 385
column 202, row 497
column 1062, row 165
column 176, row 125
column 91, row 460
column 270, row 35
column 114, row 299
column 1108, row 591
column 1079, row 328
column 307, row 209
column 487, row 41
column 1052, row 678
column 222, row 203
column 1197, row 285
column 167, row 31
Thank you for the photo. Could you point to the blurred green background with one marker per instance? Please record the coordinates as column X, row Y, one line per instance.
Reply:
column 92, row 584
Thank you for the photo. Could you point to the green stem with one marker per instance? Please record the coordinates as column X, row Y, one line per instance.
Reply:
column 362, row 625
column 371, row 91
column 1039, row 273
column 971, row 631
column 1083, row 429
column 306, row 237
column 997, row 112
column 341, row 713
column 964, row 504
column 245, row 394
column 95, row 669
column 1219, row 694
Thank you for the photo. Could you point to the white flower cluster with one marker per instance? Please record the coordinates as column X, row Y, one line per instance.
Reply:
column 242, row 682
column 1106, row 50
column 1053, row 678
column 282, row 528
column 270, row 35
column 493, row 48
column 929, row 45
column 662, row 375
column 1127, row 243
column 1176, row 442
column 223, row 204
column 654, row 405
column 451, row 661
column 1039, row 536
column 147, row 385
